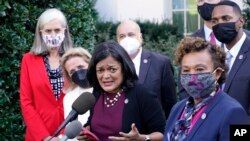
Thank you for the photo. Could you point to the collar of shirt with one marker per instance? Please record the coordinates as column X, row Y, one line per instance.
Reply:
column 137, row 61
column 208, row 31
column 236, row 48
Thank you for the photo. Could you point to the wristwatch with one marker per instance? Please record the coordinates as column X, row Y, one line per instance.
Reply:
column 147, row 138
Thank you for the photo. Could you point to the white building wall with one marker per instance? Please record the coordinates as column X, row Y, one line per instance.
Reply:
column 149, row 10
column 144, row 10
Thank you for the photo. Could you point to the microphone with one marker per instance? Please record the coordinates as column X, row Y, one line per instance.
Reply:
column 72, row 130
column 80, row 106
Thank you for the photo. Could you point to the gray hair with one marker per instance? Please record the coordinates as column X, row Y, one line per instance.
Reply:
column 39, row 46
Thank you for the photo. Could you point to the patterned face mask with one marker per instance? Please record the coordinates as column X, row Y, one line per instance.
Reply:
column 54, row 40
column 198, row 85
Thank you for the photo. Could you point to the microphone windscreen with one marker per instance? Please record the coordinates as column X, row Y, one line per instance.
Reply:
column 83, row 103
column 73, row 129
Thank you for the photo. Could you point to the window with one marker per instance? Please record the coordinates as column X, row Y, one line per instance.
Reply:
column 185, row 16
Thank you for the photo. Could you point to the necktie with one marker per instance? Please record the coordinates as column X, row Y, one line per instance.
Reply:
column 228, row 60
column 212, row 39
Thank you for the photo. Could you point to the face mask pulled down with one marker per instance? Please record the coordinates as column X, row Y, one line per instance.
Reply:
column 79, row 77
column 198, row 85
column 131, row 45
column 54, row 40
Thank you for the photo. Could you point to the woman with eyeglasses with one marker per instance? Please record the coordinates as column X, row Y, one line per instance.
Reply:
column 41, row 80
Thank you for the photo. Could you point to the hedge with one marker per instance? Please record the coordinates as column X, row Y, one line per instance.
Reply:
column 17, row 26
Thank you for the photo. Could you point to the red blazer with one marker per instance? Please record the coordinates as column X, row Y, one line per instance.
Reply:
column 41, row 112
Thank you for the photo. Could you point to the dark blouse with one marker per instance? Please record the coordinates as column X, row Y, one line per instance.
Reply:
column 55, row 78
column 107, row 121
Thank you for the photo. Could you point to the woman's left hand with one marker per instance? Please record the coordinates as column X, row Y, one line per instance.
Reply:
column 133, row 135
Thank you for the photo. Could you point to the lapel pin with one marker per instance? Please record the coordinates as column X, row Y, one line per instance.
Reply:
column 241, row 57
column 145, row 61
column 126, row 101
column 203, row 116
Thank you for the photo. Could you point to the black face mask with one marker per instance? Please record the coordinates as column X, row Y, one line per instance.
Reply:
column 79, row 77
column 206, row 10
column 225, row 32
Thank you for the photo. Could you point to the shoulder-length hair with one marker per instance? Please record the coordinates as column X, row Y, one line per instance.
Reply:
column 71, row 53
column 39, row 46
column 113, row 49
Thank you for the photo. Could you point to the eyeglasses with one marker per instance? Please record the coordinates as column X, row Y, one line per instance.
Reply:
column 50, row 31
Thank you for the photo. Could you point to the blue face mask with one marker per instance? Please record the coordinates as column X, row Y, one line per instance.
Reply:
column 198, row 85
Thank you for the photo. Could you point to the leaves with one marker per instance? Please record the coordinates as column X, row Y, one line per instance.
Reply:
column 17, row 26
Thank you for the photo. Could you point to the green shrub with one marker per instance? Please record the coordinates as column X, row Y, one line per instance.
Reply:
column 17, row 25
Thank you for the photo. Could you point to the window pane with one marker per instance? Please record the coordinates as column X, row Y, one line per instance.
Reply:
column 192, row 21
column 178, row 4
column 191, row 4
column 178, row 20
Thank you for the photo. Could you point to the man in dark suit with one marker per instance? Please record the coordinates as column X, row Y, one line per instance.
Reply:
column 228, row 28
column 155, row 71
column 205, row 8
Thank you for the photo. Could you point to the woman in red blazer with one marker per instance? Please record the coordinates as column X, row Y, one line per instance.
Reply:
column 41, row 80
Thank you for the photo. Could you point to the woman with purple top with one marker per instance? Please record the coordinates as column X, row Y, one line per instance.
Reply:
column 124, row 110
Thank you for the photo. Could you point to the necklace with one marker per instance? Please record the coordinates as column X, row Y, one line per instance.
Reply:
column 109, row 102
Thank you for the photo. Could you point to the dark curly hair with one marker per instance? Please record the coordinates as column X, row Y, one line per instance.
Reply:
column 196, row 44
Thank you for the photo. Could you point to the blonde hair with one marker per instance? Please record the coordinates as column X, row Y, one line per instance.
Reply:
column 74, row 52
column 48, row 15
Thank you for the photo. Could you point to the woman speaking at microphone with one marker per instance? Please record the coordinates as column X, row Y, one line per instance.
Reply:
column 124, row 110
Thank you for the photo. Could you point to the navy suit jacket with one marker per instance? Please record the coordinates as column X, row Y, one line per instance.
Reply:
column 199, row 33
column 237, row 83
column 214, row 123
column 157, row 75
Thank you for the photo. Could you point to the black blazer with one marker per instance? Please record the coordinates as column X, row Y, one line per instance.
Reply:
column 237, row 84
column 157, row 75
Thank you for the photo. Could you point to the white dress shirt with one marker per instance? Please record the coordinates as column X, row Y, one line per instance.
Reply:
column 137, row 61
column 235, row 50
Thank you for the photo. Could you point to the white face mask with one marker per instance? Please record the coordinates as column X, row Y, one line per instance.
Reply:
column 54, row 40
column 131, row 45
